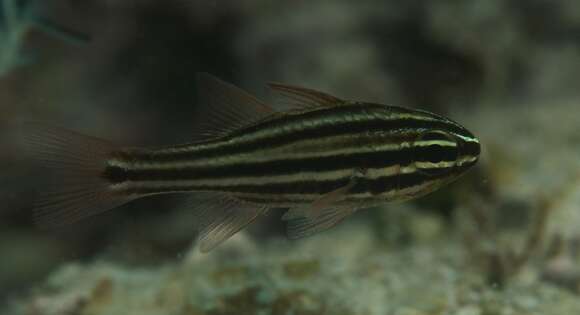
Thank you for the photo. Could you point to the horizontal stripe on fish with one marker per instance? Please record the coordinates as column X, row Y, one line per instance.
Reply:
column 329, row 146
column 296, row 177
column 466, row 160
column 363, row 198
column 280, row 131
column 307, row 148
column 281, row 166
column 363, row 185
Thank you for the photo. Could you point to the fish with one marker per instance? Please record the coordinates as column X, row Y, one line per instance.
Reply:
column 319, row 156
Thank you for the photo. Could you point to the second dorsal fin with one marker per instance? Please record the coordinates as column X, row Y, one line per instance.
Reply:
column 300, row 97
column 224, row 107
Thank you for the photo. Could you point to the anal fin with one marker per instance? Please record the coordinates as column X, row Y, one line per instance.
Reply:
column 304, row 226
column 218, row 217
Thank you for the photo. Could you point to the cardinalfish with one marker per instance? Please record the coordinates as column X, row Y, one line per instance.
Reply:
column 322, row 158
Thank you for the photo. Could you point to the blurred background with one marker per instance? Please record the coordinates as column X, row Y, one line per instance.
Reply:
column 507, row 70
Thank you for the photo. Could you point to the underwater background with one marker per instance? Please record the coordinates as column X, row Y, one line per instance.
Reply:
column 504, row 239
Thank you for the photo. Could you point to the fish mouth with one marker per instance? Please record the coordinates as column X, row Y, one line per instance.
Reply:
column 469, row 153
column 473, row 148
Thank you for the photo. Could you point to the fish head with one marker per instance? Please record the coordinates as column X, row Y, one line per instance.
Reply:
column 442, row 154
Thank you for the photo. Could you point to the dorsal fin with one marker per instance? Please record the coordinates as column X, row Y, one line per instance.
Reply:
column 299, row 97
column 224, row 107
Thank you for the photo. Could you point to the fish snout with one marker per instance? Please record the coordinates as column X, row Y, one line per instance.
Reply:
column 469, row 151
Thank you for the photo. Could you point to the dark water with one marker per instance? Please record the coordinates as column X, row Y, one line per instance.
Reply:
column 502, row 240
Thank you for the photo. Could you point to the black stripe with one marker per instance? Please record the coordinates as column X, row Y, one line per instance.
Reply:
column 436, row 153
column 363, row 185
column 377, row 159
column 334, row 122
column 471, row 148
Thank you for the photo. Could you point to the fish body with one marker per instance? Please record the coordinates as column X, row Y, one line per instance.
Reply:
column 297, row 157
column 323, row 158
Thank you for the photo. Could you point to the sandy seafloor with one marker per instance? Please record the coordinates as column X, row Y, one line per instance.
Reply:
column 243, row 278
column 341, row 272
column 352, row 269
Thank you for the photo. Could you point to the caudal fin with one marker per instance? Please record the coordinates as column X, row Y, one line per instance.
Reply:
column 77, row 163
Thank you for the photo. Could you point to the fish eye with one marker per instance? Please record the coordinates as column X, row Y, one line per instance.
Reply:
column 435, row 152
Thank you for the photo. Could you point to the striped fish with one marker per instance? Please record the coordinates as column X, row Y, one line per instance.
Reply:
column 322, row 158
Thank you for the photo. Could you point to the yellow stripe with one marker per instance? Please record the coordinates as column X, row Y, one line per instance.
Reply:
column 373, row 173
column 291, row 151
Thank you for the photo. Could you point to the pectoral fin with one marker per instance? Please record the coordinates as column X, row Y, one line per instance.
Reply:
column 304, row 226
column 325, row 201
column 318, row 207
column 323, row 213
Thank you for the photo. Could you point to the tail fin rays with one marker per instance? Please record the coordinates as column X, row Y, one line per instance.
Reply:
column 77, row 162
